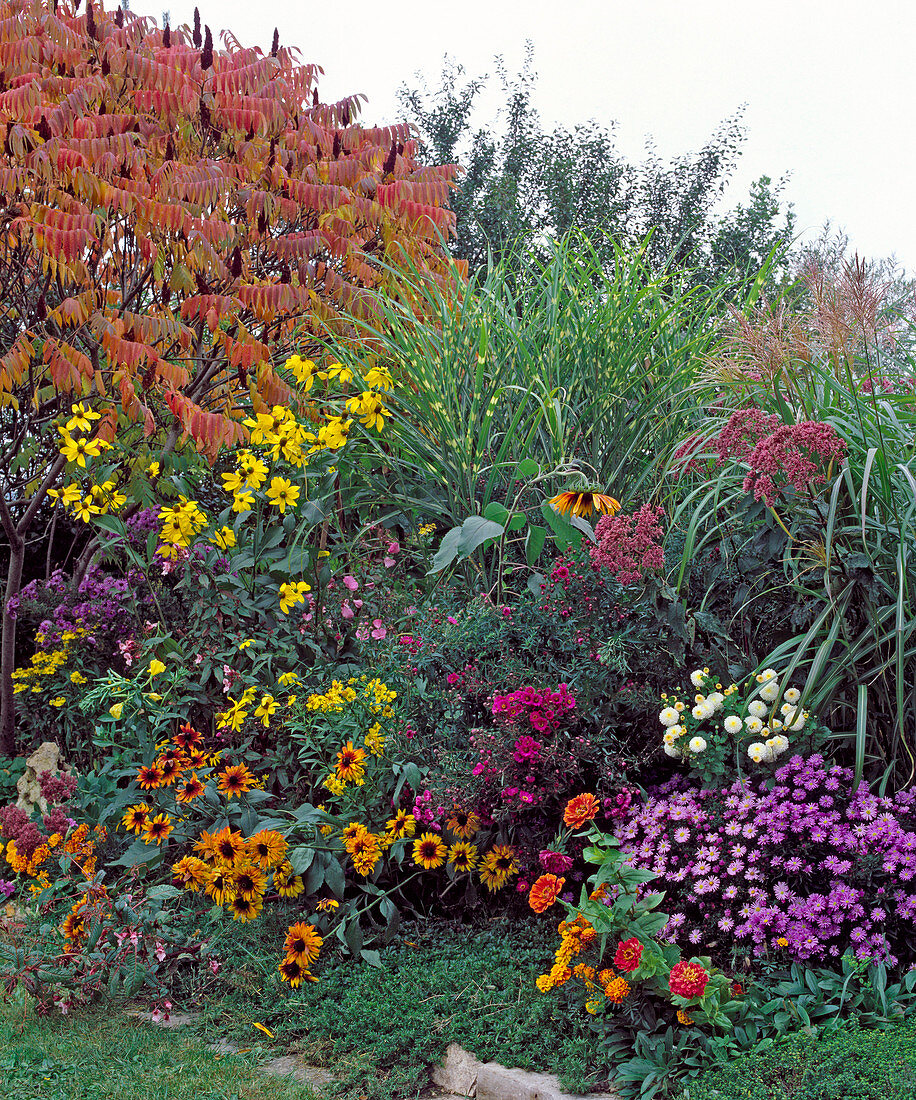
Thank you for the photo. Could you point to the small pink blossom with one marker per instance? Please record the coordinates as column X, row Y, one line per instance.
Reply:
column 351, row 582
column 389, row 562
column 378, row 631
column 346, row 610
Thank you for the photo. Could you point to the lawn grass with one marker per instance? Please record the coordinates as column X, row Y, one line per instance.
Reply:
column 379, row 1030
column 101, row 1053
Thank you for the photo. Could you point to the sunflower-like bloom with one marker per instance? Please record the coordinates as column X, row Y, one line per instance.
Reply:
column 267, row 848
column 353, row 832
column 191, row 789
column 225, row 847
column 248, row 881
column 245, row 909
column 286, row 883
column 463, row 824
column 235, row 780
column 463, row 856
column 429, row 851
column 303, row 943
column 170, row 767
column 158, row 829
column 149, row 777
column 292, row 971
column 220, row 886
column 192, row 873
column 582, row 502
column 401, row 825
column 499, row 865
column 350, row 766
column 136, row 818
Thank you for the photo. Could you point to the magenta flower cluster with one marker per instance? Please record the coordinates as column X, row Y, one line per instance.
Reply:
column 630, row 545
column 809, row 869
column 543, row 711
column 778, row 454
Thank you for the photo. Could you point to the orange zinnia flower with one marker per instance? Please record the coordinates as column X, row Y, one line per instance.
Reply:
column 580, row 810
column 545, row 892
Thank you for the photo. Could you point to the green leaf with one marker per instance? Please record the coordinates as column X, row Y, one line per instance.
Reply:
column 525, row 469
column 139, row 852
column 166, row 890
column 534, row 543
column 373, row 958
column 301, row 858
column 497, row 512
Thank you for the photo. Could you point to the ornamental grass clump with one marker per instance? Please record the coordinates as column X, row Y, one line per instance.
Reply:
column 806, row 868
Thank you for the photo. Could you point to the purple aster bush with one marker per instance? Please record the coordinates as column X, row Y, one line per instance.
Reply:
column 807, row 868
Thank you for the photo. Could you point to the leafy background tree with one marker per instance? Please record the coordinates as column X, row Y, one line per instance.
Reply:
column 524, row 181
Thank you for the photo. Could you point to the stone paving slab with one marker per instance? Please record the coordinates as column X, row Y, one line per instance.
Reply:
column 460, row 1076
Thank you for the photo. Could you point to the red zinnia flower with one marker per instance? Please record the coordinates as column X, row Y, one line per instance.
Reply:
column 688, row 979
column 628, row 955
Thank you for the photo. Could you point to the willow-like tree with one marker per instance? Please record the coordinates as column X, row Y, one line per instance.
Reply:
column 175, row 220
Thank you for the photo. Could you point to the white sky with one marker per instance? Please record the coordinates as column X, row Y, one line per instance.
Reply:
column 829, row 84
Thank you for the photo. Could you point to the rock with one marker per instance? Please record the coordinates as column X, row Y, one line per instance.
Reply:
column 46, row 758
column 461, row 1073
column 458, row 1071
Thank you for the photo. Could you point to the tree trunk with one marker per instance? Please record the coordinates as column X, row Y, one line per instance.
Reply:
column 8, row 650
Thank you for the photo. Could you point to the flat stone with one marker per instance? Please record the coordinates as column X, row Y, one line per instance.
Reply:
column 492, row 1081
column 457, row 1073
column 287, row 1065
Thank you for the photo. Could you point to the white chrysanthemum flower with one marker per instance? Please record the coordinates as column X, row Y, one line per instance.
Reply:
column 753, row 724
column 798, row 724
column 699, row 712
column 670, row 737
column 715, row 700
column 767, row 675
column 775, row 724
column 668, row 717
column 757, row 708
column 787, row 708
column 697, row 678
column 671, row 750
column 779, row 744
column 757, row 752
column 733, row 724
column 792, row 695
column 696, row 744
column 770, row 691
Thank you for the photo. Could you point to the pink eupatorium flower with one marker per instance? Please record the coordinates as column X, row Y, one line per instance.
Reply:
column 778, row 453
column 630, row 545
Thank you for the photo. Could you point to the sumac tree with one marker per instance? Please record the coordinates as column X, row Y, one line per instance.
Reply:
column 175, row 220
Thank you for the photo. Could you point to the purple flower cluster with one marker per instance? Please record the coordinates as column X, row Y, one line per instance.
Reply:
column 103, row 605
column 809, row 868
